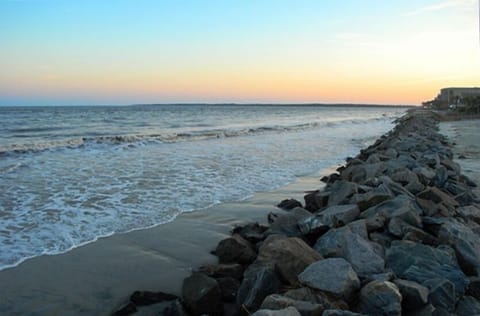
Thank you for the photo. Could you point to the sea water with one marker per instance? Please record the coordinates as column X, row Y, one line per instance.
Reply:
column 69, row 175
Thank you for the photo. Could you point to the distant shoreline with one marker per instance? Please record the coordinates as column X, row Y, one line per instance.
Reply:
column 339, row 105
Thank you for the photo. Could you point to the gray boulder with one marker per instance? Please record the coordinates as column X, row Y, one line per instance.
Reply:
column 467, row 306
column 340, row 312
column 339, row 215
column 233, row 270
column 201, row 295
column 414, row 295
column 380, row 298
column 289, row 311
column 401, row 206
column 259, row 281
column 333, row 275
column 362, row 256
column 290, row 255
column 312, row 225
column 340, row 191
column 420, row 263
column 373, row 197
column 235, row 249
column 305, row 308
column 442, row 293
column 465, row 242
column 287, row 223
column 316, row 200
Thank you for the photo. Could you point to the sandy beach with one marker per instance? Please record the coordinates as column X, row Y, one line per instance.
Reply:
column 98, row 278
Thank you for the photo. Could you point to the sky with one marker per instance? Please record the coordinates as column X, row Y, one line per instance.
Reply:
column 84, row 52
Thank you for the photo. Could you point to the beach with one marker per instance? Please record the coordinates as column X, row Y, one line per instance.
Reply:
column 98, row 278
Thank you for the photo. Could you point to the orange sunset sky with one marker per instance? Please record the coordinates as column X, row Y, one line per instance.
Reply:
column 124, row 52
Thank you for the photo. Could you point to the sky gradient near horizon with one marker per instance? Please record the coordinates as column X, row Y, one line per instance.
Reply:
column 144, row 51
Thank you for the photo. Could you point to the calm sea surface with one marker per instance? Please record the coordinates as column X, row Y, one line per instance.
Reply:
column 69, row 175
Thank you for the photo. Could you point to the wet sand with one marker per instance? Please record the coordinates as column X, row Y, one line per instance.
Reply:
column 98, row 278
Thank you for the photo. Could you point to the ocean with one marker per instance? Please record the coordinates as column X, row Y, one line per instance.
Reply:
column 70, row 175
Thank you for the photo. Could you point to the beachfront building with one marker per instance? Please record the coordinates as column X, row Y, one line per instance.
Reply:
column 454, row 97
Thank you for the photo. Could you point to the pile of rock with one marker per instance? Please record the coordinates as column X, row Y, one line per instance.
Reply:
column 396, row 231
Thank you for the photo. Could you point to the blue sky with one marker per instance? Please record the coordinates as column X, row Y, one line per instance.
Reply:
column 121, row 52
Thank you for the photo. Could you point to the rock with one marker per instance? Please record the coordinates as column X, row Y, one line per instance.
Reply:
column 235, row 249
column 317, row 297
column 332, row 275
column 233, row 270
column 287, row 223
column 305, row 308
column 372, row 197
column 289, row 204
column 229, row 288
column 341, row 191
column 420, row 263
column 316, row 200
column 440, row 178
column 359, row 227
column 126, row 310
column 401, row 206
column 471, row 212
column 474, row 287
column 380, row 298
column 361, row 255
column 430, row 208
column 252, row 232
column 361, row 172
column 140, row 298
column 175, row 308
column 442, row 293
column 465, row 242
column 401, row 229
column 375, row 222
column 290, row 255
column 313, row 225
column 437, row 196
column 427, row 310
column 289, row 311
column 339, row 215
column 414, row 295
column 339, row 312
column 201, row 295
column 259, row 281
column 467, row 306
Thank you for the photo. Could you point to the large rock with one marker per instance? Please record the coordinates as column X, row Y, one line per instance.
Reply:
column 362, row 256
column 233, row 270
column 339, row 215
column 401, row 206
column 442, row 293
column 287, row 223
column 201, row 295
column 316, row 200
column 312, row 225
column 277, row 302
column 439, row 197
column 340, row 312
column 140, row 298
column 373, row 197
column 332, row 275
column 229, row 288
column 359, row 252
column 289, row 204
column 317, row 297
column 252, row 232
column 414, row 295
column 465, row 242
column 289, row 311
column 420, row 263
column 341, row 191
column 259, row 281
column 468, row 306
column 380, row 298
column 290, row 255
column 235, row 249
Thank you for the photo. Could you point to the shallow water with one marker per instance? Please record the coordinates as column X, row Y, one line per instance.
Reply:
column 69, row 175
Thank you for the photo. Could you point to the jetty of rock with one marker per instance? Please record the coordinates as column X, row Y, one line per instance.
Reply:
column 395, row 231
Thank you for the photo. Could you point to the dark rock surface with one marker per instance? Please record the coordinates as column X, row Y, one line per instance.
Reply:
column 380, row 298
column 201, row 294
column 235, row 250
